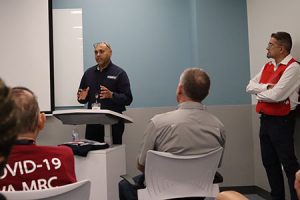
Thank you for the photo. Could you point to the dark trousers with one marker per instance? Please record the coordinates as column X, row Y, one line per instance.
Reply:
column 277, row 149
column 128, row 192
column 96, row 132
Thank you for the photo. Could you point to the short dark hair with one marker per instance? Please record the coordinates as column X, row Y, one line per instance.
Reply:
column 27, row 109
column 8, row 123
column 196, row 83
column 284, row 39
column 105, row 43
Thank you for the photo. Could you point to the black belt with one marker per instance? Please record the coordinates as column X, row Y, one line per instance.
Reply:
column 291, row 114
column 24, row 142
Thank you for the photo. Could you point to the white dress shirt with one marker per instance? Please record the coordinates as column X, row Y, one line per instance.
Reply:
column 287, row 86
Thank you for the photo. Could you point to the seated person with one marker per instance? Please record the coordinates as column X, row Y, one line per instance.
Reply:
column 29, row 166
column 230, row 195
column 8, row 122
column 189, row 130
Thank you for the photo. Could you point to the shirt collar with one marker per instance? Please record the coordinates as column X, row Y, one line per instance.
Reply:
column 107, row 66
column 191, row 105
column 284, row 61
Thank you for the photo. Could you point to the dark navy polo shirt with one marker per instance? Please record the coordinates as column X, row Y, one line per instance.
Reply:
column 112, row 77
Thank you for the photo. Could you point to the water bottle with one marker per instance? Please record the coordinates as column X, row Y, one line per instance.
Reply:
column 75, row 136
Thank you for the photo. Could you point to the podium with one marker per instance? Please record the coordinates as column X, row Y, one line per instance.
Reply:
column 102, row 167
column 89, row 116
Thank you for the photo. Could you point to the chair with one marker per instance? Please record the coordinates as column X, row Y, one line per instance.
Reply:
column 75, row 191
column 170, row 176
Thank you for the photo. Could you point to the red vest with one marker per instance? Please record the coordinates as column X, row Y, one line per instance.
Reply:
column 270, row 76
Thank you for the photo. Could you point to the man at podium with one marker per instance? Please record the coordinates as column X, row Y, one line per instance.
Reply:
column 107, row 86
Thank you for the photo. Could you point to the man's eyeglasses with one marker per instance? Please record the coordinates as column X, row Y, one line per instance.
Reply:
column 105, row 43
column 271, row 45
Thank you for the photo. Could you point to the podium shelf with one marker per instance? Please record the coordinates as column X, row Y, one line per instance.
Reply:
column 89, row 116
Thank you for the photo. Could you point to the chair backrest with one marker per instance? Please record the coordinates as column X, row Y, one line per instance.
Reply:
column 75, row 191
column 172, row 176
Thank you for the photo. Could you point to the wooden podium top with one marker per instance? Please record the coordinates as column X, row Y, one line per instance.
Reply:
column 89, row 116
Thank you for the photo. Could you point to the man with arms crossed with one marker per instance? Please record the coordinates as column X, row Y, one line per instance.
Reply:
column 276, row 88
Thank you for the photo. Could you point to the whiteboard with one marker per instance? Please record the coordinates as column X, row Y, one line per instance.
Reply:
column 68, row 55
column 25, row 49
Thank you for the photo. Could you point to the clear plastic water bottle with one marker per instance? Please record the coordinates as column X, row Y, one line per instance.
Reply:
column 75, row 136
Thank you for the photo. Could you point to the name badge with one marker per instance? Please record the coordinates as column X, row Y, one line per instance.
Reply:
column 111, row 77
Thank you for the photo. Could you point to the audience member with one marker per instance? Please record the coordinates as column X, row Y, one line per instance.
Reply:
column 29, row 166
column 189, row 130
column 8, row 122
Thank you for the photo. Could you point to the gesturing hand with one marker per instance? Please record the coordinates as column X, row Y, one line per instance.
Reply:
column 105, row 93
column 82, row 93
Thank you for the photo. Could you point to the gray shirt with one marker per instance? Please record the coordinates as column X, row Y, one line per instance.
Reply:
column 189, row 130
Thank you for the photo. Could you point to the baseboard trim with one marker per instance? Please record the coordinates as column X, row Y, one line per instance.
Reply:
column 249, row 190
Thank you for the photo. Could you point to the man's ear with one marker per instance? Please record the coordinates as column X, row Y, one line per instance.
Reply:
column 42, row 121
column 180, row 89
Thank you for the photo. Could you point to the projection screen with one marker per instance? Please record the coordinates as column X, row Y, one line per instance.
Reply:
column 25, row 48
